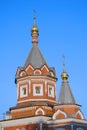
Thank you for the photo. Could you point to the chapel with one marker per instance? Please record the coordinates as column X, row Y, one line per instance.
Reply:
column 37, row 107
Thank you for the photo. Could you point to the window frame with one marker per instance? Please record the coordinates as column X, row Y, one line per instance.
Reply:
column 37, row 86
column 22, row 89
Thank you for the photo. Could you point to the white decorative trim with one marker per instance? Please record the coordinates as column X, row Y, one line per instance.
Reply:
column 65, row 106
column 59, row 112
column 29, row 67
column 23, row 81
column 59, row 122
column 21, row 74
column 20, row 83
column 51, row 91
column 29, row 86
column 79, row 112
column 38, row 78
column 24, row 109
column 22, row 91
column 44, row 78
column 45, row 86
column 34, row 89
column 27, row 121
column 37, row 71
column 46, row 107
column 37, row 100
column 52, row 74
column 45, row 67
column 39, row 109
column 23, row 121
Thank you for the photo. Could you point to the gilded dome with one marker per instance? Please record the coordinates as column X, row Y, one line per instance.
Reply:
column 64, row 75
column 34, row 30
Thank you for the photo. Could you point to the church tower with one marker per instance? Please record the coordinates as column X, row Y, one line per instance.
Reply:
column 67, row 106
column 36, row 83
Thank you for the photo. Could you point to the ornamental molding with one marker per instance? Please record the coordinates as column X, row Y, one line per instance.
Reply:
column 37, row 100
column 24, row 109
column 23, row 121
column 29, row 66
column 46, row 107
column 59, row 112
column 39, row 109
column 80, row 113
column 37, row 70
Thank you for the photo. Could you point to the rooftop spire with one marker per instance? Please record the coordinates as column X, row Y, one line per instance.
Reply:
column 63, row 60
column 34, row 31
column 64, row 74
column 65, row 95
column 34, row 17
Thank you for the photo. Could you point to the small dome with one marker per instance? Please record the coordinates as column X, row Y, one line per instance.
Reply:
column 34, row 30
column 64, row 75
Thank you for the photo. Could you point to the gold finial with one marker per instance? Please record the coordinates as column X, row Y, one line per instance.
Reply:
column 64, row 75
column 34, row 29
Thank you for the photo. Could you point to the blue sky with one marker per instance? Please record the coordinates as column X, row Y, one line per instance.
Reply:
column 62, row 30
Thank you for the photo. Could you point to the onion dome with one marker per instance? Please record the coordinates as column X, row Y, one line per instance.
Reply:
column 34, row 29
column 64, row 75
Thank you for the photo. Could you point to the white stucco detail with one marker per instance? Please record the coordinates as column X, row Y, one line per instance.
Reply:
column 22, row 121
column 23, row 81
column 20, row 84
column 39, row 109
column 46, row 107
column 29, row 67
column 21, row 74
column 79, row 112
column 29, row 86
column 37, row 71
column 51, row 91
column 45, row 68
column 46, row 86
column 23, row 109
column 36, row 100
column 25, row 121
column 59, row 112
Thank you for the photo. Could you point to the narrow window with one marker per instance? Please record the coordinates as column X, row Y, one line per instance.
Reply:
column 50, row 91
column 24, row 91
column 37, row 90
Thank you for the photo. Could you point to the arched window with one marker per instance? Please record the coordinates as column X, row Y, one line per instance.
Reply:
column 60, row 128
column 79, row 128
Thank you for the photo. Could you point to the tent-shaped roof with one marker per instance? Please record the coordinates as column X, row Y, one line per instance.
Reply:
column 35, row 58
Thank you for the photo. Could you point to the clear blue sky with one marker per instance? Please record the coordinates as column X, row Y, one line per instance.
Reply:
column 63, row 30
